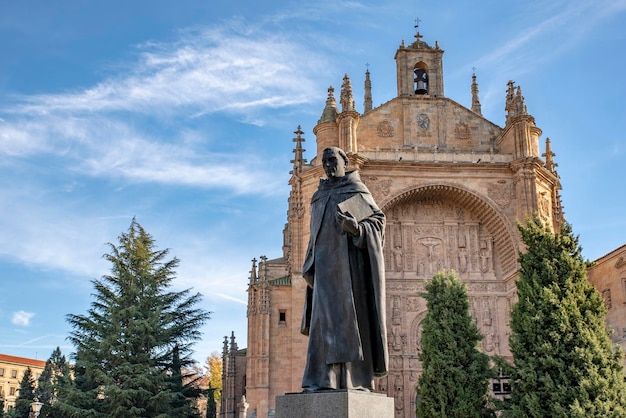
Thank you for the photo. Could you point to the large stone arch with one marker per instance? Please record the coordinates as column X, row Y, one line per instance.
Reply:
column 499, row 226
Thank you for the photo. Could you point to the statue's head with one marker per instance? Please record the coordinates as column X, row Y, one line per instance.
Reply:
column 334, row 161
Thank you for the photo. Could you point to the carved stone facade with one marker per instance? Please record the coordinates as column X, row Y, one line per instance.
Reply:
column 452, row 185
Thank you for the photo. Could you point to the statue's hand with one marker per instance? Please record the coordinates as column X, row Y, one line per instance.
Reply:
column 348, row 223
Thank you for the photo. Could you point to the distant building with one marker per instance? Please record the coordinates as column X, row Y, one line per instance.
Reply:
column 608, row 275
column 12, row 370
column 452, row 185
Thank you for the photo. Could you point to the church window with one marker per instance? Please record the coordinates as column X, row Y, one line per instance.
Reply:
column 420, row 78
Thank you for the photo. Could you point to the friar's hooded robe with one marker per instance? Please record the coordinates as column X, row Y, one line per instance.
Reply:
column 345, row 304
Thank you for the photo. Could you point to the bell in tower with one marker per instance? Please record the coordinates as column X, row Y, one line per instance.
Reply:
column 420, row 81
column 419, row 69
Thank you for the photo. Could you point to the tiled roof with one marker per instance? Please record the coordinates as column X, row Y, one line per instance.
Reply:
column 6, row 358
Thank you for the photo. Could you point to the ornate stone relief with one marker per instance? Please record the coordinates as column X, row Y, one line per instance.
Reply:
column 380, row 187
column 423, row 121
column 433, row 236
column 483, row 311
column 462, row 131
column 543, row 203
column 399, row 393
column 414, row 304
column 384, row 129
column 606, row 295
column 501, row 193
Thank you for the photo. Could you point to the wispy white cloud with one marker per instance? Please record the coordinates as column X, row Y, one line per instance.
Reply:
column 208, row 70
column 205, row 70
column 22, row 318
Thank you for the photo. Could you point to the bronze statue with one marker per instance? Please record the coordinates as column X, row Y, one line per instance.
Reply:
column 344, row 314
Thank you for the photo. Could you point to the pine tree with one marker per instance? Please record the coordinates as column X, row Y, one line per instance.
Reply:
column 26, row 395
column 456, row 374
column 565, row 364
column 126, row 340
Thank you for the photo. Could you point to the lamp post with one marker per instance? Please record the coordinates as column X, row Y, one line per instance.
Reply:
column 35, row 408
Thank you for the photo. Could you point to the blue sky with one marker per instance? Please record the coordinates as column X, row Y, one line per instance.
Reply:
column 181, row 114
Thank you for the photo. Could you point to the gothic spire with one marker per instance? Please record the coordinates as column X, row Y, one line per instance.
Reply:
column 367, row 104
column 515, row 105
column 346, row 98
column 296, row 203
column 476, row 108
column 330, row 111
column 298, row 160
column 549, row 155
column 253, row 274
column 225, row 347
column 233, row 343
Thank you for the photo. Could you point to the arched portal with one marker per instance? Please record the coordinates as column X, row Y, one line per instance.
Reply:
column 447, row 226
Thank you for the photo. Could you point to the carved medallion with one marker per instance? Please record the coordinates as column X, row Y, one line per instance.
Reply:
column 501, row 193
column 383, row 187
column 462, row 131
column 423, row 122
column 384, row 129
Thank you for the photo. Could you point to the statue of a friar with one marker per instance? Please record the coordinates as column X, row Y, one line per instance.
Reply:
column 344, row 314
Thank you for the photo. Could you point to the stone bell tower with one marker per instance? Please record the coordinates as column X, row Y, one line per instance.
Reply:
column 419, row 69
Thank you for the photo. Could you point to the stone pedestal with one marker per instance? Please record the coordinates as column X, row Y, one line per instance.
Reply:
column 334, row 404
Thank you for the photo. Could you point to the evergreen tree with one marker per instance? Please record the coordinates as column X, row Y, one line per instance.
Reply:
column 565, row 362
column 185, row 390
column 126, row 340
column 55, row 376
column 211, row 405
column 456, row 375
column 26, row 395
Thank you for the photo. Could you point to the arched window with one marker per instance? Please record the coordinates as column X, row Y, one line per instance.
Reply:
column 420, row 78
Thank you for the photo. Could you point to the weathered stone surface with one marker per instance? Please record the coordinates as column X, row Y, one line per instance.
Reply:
column 334, row 404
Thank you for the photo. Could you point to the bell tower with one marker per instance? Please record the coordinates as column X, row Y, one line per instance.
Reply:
column 419, row 68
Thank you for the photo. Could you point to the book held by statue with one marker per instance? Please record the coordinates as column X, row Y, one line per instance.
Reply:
column 356, row 206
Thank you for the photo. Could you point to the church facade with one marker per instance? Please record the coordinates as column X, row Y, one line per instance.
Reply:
column 452, row 185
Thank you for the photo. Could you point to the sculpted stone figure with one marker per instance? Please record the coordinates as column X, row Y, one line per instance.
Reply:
column 344, row 314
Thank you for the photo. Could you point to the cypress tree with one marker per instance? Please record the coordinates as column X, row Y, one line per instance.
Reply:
column 26, row 395
column 125, row 343
column 456, row 374
column 55, row 376
column 565, row 364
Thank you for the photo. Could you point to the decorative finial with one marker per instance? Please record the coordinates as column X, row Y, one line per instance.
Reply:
column 476, row 108
column 417, row 29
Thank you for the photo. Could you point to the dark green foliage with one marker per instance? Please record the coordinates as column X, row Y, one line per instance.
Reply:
column 26, row 395
column 211, row 406
column 125, row 343
column 54, row 378
column 565, row 363
column 185, row 388
column 456, row 375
